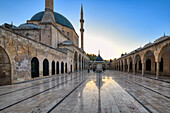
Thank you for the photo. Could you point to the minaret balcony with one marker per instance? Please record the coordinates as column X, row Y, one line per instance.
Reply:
column 82, row 20
column 82, row 30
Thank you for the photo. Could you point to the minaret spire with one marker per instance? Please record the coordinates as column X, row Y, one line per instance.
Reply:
column 82, row 28
column 81, row 11
column 99, row 52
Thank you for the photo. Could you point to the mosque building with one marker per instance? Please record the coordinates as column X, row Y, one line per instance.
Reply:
column 46, row 45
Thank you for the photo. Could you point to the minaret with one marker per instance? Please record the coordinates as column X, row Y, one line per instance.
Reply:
column 82, row 28
column 49, row 4
column 47, row 25
column 49, row 12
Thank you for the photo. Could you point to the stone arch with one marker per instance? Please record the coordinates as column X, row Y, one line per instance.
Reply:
column 164, row 60
column 71, row 68
column 121, row 65
column 45, row 67
column 65, row 67
column 138, row 63
column 79, row 61
column 5, row 68
column 53, row 67
column 82, row 63
column 125, row 63
column 149, row 61
column 161, row 66
column 75, row 61
column 34, row 67
column 148, row 65
column 130, row 64
column 57, row 68
column 62, row 67
column 116, row 65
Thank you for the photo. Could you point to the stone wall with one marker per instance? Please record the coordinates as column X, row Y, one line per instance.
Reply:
column 21, row 50
column 30, row 33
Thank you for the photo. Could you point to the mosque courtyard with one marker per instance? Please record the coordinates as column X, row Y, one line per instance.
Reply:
column 83, row 92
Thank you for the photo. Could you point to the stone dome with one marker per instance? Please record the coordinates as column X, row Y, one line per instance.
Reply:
column 60, row 19
column 161, row 39
column 28, row 26
column 68, row 42
column 99, row 58
column 148, row 44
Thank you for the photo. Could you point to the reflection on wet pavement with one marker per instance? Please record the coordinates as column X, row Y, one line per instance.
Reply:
column 82, row 92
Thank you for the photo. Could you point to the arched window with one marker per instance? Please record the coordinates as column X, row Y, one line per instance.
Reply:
column 140, row 65
column 165, row 60
column 57, row 67
column 53, row 68
column 5, row 68
column 34, row 67
column 66, row 68
column 71, row 68
column 148, row 65
column 80, row 62
column 75, row 61
column 161, row 65
column 45, row 67
column 135, row 66
column 62, row 67
column 68, row 34
column 122, row 65
column 130, row 65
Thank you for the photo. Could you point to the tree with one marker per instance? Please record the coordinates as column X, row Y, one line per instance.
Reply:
column 92, row 57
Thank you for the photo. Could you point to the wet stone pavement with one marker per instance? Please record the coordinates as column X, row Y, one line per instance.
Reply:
column 82, row 92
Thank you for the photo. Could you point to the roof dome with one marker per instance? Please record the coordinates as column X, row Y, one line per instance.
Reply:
column 148, row 44
column 68, row 42
column 99, row 58
column 60, row 19
column 28, row 26
column 161, row 39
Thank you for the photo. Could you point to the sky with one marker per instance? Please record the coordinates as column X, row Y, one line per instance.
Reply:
column 111, row 26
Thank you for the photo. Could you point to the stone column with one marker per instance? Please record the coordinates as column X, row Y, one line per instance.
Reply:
column 59, row 67
column 157, row 69
column 143, row 69
column 128, row 67
column 77, row 65
column 118, row 67
column 80, row 65
column 137, row 66
column 124, row 68
column 134, row 72
column 50, row 68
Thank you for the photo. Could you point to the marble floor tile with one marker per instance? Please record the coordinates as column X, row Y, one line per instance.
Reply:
column 82, row 92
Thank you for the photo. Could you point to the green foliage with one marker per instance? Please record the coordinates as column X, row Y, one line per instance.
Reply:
column 92, row 57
